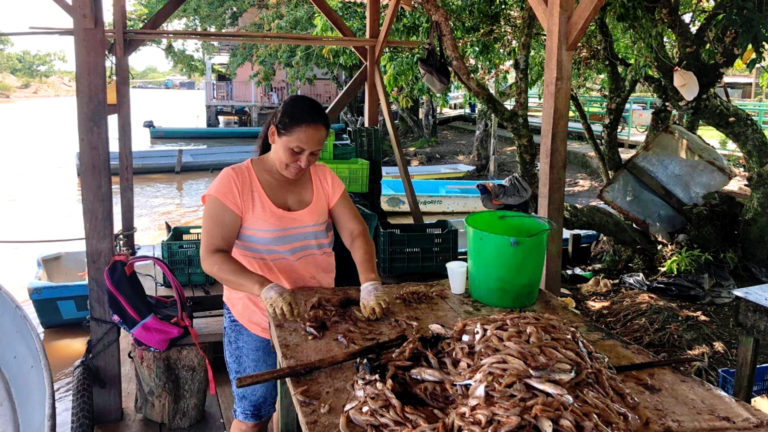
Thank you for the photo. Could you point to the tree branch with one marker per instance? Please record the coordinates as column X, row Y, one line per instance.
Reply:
column 589, row 132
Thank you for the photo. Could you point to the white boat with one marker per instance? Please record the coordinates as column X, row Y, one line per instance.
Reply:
column 428, row 171
column 434, row 196
column 26, row 387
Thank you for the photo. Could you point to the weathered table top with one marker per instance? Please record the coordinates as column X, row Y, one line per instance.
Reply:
column 669, row 401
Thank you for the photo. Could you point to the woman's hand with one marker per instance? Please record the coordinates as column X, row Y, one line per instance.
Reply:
column 279, row 302
column 373, row 301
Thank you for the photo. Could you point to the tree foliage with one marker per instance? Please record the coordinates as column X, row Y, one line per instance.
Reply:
column 28, row 64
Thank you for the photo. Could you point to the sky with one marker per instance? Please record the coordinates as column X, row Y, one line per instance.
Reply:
column 20, row 16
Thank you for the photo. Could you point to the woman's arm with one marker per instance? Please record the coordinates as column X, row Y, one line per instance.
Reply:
column 354, row 234
column 220, row 229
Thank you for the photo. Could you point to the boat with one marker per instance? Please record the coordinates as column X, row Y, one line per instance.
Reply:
column 423, row 172
column 59, row 292
column 434, row 196
column 26, row 388
column 156, row 132
column 180, row 159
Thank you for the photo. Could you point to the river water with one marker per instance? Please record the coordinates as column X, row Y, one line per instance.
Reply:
column 41, row 200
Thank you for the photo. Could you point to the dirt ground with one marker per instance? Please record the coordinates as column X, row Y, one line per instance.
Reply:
column 666, row 327
column 48, row 87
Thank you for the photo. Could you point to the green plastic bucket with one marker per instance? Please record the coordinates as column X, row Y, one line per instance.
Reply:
column 505, row 252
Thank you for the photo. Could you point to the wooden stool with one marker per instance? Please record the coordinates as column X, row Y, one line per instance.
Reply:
column 752, row 318
column 171, row 386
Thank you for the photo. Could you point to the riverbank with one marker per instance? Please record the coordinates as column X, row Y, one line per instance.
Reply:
column 13, row 88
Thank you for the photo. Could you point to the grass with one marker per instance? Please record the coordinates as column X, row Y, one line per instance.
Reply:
column 5, row 87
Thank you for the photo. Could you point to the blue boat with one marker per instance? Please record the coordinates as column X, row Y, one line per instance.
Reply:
column 59, row 292
column 434, row 196
column 211, row 133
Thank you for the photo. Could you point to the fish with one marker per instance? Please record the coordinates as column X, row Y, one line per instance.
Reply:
column 428, row 374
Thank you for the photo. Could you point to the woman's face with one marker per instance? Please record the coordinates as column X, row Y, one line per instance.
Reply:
column 295, row 152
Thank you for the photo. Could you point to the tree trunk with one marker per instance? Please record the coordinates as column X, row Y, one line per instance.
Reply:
column 607, row 223
column 429, row 118
column 591, row 139
column 406, row 115
column 482, row 140
column 527, row 152
column 742, row 129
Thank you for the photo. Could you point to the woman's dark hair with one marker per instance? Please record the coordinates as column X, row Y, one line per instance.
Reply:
column 295, row 111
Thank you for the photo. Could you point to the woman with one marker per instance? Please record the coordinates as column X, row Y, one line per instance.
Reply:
column 267, row 230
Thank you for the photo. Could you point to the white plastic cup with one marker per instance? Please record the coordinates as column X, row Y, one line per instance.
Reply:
column 457, row 276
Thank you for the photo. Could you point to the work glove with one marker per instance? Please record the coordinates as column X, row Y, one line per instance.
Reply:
column 279, row 302
column 372, row 300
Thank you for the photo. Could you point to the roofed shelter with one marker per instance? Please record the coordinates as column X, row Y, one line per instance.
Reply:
column 564, row 23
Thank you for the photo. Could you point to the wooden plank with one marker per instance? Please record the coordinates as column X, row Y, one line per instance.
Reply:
column 371, row 110
column 212, row 421
column 579, row 21
column 97, row 198
column 64, row 5
column 288, row 420
column 389, row 20
column 394, row 139
column 154, row 22
column 338, row 23
column 540, row 9
column 122, row 71
column 554, row 136
column 350, row 91
column 224, row 393
column 746, row 358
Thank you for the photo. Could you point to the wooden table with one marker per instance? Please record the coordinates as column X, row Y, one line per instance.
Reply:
column 752, row 318
column 669, row 401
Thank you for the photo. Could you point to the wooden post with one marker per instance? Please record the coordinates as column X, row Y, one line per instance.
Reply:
column 124, row 125
column 96, row 187
column 564, row 27
column 554, row 135
column 372, row 13
column 746, row 361
column 394, row 139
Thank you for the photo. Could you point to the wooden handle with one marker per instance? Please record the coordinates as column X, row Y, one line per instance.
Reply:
column 654, row 364
column 305, row 368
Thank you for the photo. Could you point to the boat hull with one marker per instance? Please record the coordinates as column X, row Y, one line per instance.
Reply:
column 434, row 196
column 59, row 293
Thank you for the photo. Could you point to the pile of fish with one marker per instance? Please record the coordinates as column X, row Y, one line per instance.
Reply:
column 420, row 294
column 514, row 371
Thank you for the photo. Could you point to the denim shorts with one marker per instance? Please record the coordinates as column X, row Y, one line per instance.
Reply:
column 246, row 354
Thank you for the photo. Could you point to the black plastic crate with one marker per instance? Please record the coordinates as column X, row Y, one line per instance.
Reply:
column 181, row 250
column 346, row 270
column 416, row 248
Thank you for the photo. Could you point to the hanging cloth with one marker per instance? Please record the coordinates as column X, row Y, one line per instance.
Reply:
column 434, row 67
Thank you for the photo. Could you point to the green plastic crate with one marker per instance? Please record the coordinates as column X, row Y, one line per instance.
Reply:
column 416, row 248
column 343, row 152
column 353, row 172
column 181, row 250
column 327, row 152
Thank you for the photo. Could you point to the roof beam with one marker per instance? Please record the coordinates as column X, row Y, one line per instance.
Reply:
column 540, row 9
column 338, row 23
column 350, row 91
column 65, row 5
column 389, row 19
column 154, row 22
column 579, row 21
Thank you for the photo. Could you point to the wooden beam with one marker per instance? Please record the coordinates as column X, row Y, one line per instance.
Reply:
column 338, row 23
column 746, row 361
column 123, row 78
column 154, row 22
column 540, row 9
column 348, row 93
column 579, row 21
column 372, row 14
column 96, row 191
column 389, row 20
column 397, row 149
column 554, row 135
column 65, row 5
